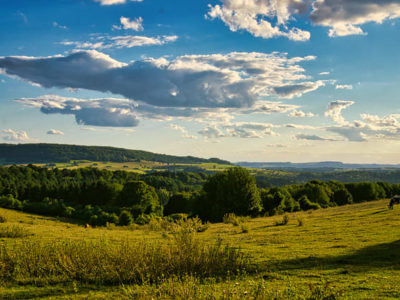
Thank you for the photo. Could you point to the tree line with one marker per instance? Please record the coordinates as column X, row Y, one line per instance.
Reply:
column 99, row 196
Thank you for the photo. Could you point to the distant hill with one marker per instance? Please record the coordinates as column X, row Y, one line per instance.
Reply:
column 314, row 166
column 57, row 153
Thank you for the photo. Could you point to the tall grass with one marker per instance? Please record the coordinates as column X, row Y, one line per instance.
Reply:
column 13, row 231
column 105, row 262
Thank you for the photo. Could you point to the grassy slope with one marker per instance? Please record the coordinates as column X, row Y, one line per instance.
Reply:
column 352, row 251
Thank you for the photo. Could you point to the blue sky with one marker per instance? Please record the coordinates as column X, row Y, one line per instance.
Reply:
column 289, row 80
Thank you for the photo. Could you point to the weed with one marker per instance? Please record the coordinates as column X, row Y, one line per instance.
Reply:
column 13, row 231
column 3, row 219
column 300, row 221
column 244, row 228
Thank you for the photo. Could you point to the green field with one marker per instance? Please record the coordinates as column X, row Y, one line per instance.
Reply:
column 347, row 252
column 141, row 167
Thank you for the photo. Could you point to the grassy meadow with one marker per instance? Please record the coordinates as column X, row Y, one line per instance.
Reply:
column 348, row 252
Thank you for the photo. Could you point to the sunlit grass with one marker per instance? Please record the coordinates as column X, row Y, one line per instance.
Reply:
column 348, row 251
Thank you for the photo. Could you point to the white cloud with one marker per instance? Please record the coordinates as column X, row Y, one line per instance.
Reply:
column 122, row 41
column 344, row 87
column 261, row 18
column 185, row 133
column 301, row 114
column 55, row 24
column 55, row 132
column 135, row 24
column 233, row 80
column 239, row 130
column 114, row 2
column 275, row 18
column 345, row 17
column 324, row 73
column 16, row 136
column 95, row 112
column 335, row 110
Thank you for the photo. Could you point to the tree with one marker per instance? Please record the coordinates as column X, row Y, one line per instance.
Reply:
column 179, row 203
column 230, row 191
column 140, row 197
column 125, row 218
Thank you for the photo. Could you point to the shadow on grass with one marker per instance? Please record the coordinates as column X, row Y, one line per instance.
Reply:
column 381, row 256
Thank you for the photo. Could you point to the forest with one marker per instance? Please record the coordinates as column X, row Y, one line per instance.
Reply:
column 52, row 153
column 101, row 197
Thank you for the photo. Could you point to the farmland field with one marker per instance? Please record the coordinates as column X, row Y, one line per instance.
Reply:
column 344, row 252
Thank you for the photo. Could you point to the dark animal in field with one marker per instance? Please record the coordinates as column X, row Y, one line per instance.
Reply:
column 394, row 200
column 87, row 226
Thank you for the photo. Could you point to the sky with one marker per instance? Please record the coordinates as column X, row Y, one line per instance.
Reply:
column 241, row 80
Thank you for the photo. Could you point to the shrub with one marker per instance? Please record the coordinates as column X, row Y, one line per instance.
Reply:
column 3, row 219
column 231, row 218
column 300, row 221
column 283, row 221
column 125, row 218
column 244, row 228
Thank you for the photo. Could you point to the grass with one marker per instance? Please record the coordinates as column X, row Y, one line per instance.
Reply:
column 349, row 252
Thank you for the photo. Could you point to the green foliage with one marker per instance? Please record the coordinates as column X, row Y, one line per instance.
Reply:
column 365, row 191
column 233, row 190
column 306, row 204
column 179, row 203
column 141, row 197
column 52, row 153
column 10, row 202
column 125, row 218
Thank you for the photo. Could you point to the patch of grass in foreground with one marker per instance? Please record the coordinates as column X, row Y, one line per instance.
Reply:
column 338, row 253
column 103, row 262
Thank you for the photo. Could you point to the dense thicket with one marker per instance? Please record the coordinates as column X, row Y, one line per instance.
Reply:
column 52, row 153
column 99, row 196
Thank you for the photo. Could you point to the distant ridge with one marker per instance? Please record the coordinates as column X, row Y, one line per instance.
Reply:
column 323, row 165
column 57, row 153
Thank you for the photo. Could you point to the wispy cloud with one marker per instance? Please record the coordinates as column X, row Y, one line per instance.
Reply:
column 114, row 2
column 344, row 87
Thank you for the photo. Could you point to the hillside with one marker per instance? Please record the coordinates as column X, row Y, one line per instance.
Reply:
column 336, row 253
column 58, row 153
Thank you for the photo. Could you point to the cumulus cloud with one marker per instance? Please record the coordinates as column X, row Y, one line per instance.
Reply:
column 345, row 17
column 272, row 18
column 335, row 110
column 96, row 112
column 114, row 2
column 55, row 132
column 235, row 79
column 261, row 18
column 135, row 24
column 301, row 114
column 16, row 136
column 344, row 87
column 119, row 42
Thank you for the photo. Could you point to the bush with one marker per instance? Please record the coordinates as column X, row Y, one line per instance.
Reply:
column 283, row 221
column 125, row 218
column 3, row 219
